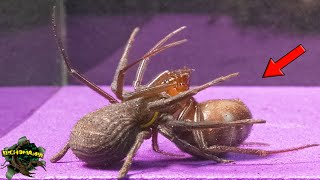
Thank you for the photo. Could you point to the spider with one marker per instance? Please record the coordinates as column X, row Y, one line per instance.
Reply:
column 116, row 131
column 206, row 143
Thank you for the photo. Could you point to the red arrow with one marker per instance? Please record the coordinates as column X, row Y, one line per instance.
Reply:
column 274, row 69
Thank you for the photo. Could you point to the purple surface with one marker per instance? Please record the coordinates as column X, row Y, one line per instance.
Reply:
column 212, row 50
column 18, row 103
column 292, row 120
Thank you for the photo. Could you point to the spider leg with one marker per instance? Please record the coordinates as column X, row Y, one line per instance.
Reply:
column 119, row 76
column 143, row 64
column 127, row 163
column 158, row 79
column 199, row 139
column 74, row 72
column 166, row 132
column 201, row 148
column 152, row 88
column 147, row 91
column 254, row 144
column 186, row 109
column 154, row 52
column 157, row 105
column 155, row 145
column 118, row 80
column 60, row 154
column 224, row 149
column 170, row 121
column 198, row 134
column 155, row 131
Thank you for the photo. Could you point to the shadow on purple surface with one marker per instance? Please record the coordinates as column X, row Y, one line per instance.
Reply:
column 190, row 162
column 145, row 164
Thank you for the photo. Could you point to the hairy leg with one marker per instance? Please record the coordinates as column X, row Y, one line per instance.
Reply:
column 147, row 91
column 223, row 149
column 155, row 145
column 127, row 163
column 191, row 148
column 254, row 144
column 74, row 72
column 143, row 64
column 120, row 75
column 187, row 125
column 157, row 105
column 60, row 154
column 201, row 143
column 118, row 80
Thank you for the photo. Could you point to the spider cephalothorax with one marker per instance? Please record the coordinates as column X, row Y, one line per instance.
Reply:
column 181, row 79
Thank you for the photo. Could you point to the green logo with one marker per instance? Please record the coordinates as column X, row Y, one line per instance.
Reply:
column 22, row 157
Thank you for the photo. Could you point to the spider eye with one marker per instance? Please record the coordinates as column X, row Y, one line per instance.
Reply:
column 166, row 81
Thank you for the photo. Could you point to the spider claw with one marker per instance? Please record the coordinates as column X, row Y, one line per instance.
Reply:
column 225, row 161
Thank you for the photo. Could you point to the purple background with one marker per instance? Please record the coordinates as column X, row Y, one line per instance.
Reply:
column 213, row 49
column 95, row 44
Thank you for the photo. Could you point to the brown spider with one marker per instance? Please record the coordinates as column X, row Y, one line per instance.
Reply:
column 206, row 143
column 117, row 131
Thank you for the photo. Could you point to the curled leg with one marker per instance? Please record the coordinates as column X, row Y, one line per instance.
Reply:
column 127, row 163
column 198, row 134
column 216, row 149
column 155, row 131
column 60, row 154
column 191, row 148
column 155, row 145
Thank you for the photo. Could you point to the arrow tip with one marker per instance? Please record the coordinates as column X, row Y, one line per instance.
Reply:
column 272, row 70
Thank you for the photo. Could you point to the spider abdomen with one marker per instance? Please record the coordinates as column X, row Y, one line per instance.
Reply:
column 225, row 110
column 104, row 136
